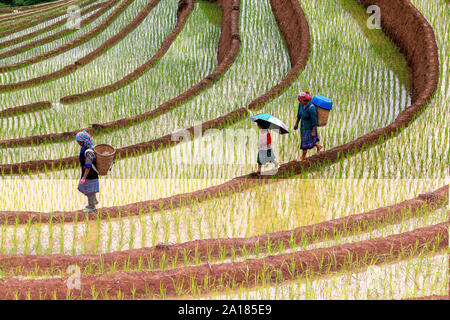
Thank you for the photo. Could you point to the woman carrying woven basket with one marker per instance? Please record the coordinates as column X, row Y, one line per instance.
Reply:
column 89, row 183
column 307, row 114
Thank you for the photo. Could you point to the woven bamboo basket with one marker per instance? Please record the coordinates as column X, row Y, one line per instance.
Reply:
column 105, row 157
column 322, row 116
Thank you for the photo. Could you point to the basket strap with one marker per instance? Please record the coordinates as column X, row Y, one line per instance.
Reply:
column 93, row 165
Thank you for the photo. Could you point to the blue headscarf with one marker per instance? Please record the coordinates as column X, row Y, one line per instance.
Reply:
column 84, row 138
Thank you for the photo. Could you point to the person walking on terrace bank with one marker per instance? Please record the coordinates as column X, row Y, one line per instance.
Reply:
column 89, row 183
column 265, row 153
column 307, row 114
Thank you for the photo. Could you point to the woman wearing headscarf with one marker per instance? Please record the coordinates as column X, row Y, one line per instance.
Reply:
column 89, row 184
column 307, row 114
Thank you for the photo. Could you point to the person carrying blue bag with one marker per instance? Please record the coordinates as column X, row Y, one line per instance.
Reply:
column 307, row 114
column 89, row 182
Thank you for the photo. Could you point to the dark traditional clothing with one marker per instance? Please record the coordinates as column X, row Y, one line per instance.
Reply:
column 89, row 187
column 87, row 160
column 308, row 117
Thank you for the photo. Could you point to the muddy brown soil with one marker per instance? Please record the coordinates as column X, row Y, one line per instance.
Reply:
column 213, row 249
column 38, row 106
column 206, row 277
column 52, row 26
column 69, row 45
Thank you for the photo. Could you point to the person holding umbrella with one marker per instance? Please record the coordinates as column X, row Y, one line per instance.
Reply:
column 265, row 122
column 307, row 114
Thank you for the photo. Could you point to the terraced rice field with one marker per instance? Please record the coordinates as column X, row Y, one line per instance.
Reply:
column 171, row 84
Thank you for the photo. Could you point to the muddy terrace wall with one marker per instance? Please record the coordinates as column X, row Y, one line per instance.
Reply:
column 25, row 108
column 67, row 69
column 379, row 250
column 207, row 277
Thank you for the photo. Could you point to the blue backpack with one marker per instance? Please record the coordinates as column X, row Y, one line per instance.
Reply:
column 324, row 106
